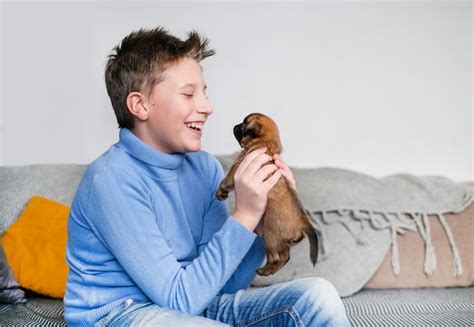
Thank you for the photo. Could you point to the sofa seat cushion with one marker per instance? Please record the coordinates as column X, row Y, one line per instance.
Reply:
column 38, row 311
column 411, row 307
column 369, row 307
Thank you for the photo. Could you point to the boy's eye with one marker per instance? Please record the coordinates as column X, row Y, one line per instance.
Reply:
column 187, row 95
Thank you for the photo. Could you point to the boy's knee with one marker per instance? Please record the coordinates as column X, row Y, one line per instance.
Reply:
column 317, row 287
column 313, row 286
column 321, row 301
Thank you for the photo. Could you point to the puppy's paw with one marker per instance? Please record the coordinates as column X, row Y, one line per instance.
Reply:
column 262, row 272
column 221, row 195
column 265, row 271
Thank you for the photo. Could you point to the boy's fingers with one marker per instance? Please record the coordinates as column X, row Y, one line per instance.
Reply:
column 263, row 173
column 280, row 163
column 289, row 178
column 250, row 157
column 283, row 165
column 257, row 163
column 272, row 180
column 277, row 158
column 285, row 173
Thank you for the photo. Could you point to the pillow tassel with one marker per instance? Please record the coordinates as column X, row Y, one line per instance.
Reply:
column 424, row 229
column 430, row 258
column 395, row 261
column 457, row 258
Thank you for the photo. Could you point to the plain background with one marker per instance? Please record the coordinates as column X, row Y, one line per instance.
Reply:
column 378, row 87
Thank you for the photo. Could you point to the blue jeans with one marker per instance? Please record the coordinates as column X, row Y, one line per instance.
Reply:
column 303, row 302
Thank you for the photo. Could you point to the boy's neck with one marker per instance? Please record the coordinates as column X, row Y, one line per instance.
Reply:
column 138, row 148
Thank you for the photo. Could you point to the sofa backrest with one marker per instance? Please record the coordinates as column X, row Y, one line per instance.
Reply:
column 18, row 183
column 54, row 181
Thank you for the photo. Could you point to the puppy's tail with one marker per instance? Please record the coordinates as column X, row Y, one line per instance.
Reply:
column 313, row 242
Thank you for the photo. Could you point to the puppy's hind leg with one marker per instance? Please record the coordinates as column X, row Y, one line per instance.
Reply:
column 272, row 260
column 284, row 258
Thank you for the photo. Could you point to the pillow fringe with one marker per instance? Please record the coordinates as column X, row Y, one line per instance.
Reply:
column 458, row 271
column 430, row 257
column 397, row 223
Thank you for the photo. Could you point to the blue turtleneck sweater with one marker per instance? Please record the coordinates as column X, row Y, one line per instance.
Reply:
column 145, row 225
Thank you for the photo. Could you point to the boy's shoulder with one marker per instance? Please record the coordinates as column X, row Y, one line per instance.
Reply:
column 114, row 159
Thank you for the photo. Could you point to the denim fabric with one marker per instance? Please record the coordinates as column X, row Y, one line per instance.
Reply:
column 302, row 302
column 132, row 313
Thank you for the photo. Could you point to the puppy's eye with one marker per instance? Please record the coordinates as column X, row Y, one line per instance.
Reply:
column 250, row 132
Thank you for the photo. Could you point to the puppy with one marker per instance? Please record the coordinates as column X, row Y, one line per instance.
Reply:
column 285, row 221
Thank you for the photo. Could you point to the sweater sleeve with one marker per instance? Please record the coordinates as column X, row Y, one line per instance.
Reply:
column 121, row 214
column 213, row 221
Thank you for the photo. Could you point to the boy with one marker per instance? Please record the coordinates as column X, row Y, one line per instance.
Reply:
column 148, row 242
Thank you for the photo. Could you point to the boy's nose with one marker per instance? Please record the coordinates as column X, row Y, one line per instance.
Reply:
column 205, row 107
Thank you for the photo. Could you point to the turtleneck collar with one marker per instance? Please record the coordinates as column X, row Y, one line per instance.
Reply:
column 142, row 151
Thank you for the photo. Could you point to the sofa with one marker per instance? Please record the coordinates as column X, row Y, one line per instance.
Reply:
column 382, row 300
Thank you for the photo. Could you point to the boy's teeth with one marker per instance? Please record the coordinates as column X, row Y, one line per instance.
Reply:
column 194, row 125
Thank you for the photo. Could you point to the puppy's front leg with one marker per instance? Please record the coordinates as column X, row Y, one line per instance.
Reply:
column 227, row 183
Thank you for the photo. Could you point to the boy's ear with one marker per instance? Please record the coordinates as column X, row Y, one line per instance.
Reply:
column 136, row 105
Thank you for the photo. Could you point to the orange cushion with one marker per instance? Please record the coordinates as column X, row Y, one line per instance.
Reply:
column 35, row 246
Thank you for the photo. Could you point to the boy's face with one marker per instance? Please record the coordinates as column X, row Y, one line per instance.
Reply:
column 178, row 109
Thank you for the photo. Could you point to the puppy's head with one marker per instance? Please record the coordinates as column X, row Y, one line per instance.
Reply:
column 257, row 130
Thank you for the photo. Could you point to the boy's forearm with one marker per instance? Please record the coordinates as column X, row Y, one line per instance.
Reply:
column 246, row 272
column 207, row 274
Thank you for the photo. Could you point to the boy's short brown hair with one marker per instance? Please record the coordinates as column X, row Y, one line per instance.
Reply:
column 139, row 60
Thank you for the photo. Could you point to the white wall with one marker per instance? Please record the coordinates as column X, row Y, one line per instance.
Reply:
column 378, row 87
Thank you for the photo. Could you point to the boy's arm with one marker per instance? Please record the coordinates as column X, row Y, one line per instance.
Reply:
column 245, row 273
column 213, row 221
column 120, row 214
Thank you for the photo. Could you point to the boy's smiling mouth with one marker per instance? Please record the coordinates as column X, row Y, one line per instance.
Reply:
column 197, row 126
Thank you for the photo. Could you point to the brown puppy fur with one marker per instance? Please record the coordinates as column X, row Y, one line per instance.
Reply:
column 285, row 221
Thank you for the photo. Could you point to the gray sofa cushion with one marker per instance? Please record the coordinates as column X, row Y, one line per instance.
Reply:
column 10, row 291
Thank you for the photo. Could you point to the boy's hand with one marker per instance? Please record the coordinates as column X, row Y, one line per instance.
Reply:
column 252, row 186
column 286, row 172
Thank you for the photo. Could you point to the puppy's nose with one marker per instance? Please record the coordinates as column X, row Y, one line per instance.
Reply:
column 238, row 132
